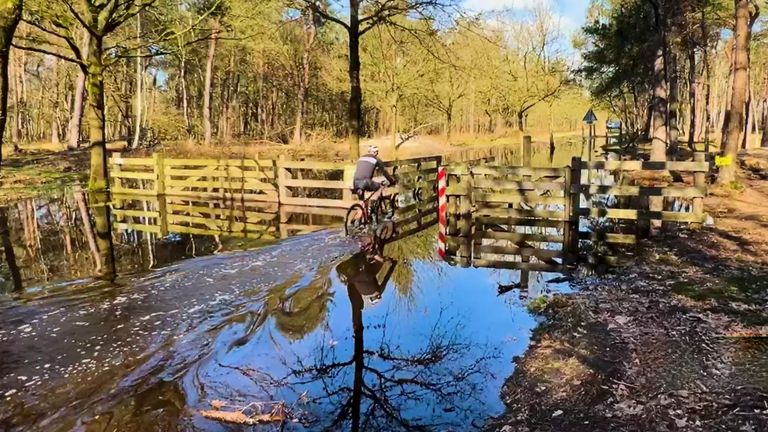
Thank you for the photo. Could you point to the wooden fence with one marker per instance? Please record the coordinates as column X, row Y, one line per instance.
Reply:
column 533, row 218
column 296, row 183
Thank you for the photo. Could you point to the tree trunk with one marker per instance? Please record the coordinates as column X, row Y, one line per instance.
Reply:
column 184, row 95
column 301, row 99
column 764, row 123
column 10, row 14
column 10, row 254
column 355, row 113
column 708, row 78
column 659, row 110
column 88, row 230
column 692, row 92
column 55, row 108
column 207, row 130
column 98, row 180
column 674, row 103
column 139, row 87
column 75, row 121
column 520, row 122
column 736, row 116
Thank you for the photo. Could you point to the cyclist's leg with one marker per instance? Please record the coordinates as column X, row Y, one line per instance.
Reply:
column 377, row 190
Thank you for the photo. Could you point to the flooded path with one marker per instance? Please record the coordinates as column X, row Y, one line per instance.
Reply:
column 291, row 322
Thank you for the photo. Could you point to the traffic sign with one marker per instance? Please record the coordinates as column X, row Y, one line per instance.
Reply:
column 590, row 117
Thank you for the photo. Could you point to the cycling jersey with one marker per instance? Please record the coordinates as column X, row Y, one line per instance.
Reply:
column 366, row 167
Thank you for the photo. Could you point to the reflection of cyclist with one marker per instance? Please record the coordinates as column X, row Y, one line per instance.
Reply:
column 361, row 272
column 366, row 167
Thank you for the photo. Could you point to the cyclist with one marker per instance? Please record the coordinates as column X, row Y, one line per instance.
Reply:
column 366, row 167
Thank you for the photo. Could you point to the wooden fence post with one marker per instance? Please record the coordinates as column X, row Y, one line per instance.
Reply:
column 527, row 143
column 700, row 182
column 282, row 176
column 573, row 205
column 115, row 169
column 349, row 180
column 159, row 168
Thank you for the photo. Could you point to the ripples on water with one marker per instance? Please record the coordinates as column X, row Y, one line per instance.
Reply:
column 281, row 323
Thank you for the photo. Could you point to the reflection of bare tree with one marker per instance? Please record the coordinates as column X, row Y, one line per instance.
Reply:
column 393, row 388
column 10, row 255
column 88, row 229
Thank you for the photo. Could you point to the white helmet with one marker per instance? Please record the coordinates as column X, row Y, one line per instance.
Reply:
column 373, row 149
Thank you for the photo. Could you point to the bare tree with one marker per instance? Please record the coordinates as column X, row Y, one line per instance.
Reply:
column 364, row 15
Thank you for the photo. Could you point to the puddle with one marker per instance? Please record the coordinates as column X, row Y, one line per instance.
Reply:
column 292, row 322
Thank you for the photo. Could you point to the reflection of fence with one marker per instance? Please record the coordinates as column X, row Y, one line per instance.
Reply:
column 530, row 218
column 503, row 217
column 166, row 215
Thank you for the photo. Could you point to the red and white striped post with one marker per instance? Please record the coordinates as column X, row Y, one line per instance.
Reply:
column 442, row 208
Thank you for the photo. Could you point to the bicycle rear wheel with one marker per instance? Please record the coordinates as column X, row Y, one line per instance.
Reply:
column 352, row 223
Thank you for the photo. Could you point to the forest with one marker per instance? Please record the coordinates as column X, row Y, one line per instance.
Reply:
column 144, row 72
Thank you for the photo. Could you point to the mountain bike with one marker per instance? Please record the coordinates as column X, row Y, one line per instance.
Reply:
column 374, row 217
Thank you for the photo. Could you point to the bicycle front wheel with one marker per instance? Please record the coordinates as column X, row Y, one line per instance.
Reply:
column 355, row 221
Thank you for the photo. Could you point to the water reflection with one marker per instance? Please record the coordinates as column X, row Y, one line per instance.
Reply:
column 312, row 321
column 47, row 241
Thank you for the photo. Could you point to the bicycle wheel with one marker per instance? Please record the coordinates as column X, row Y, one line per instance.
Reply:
column 352, row 223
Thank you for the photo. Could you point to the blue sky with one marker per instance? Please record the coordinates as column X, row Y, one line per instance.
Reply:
column 571, row 12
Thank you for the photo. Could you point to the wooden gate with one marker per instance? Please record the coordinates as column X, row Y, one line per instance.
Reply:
column 510, row 218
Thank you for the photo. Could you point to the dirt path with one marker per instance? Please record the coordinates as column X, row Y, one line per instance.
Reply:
column 676, row 341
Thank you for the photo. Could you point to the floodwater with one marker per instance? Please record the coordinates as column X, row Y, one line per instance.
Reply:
column 252, row 322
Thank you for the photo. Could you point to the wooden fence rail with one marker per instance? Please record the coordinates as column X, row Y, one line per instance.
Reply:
column 532, row 218
column 297, row 183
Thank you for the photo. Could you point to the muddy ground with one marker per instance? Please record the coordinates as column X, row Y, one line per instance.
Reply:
column 675, row 341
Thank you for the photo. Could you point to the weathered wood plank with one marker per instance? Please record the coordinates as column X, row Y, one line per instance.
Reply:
column 521, row 251
column 122, row 226
column 265, row 197
column 325, row 166
column 138, row 175
column 632, row 214
column 129, row 191
column 516, row 213
column 518, row 171
column 645, row 166
column 518, row 265
column 316, row 202
column 210, row 163
column 132, row 161
column 480, row 197
column 233, row 185
column 181, row 229
column 508, row 221
column 668, row 191
column 218, row 172
column 323, row 211
column 135, row 213
column 609, row 237
column 227, row 212
column 319, row 184
column 518, row 185
column 518, row 237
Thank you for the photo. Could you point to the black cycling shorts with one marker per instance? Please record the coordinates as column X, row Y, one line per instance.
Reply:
column 367, row 185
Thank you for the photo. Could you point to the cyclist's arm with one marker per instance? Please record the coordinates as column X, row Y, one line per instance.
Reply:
column 383, row 169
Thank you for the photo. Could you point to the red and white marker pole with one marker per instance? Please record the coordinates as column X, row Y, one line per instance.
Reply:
column 442, row 209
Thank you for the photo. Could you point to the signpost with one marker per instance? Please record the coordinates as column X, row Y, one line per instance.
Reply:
column 590, row 119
